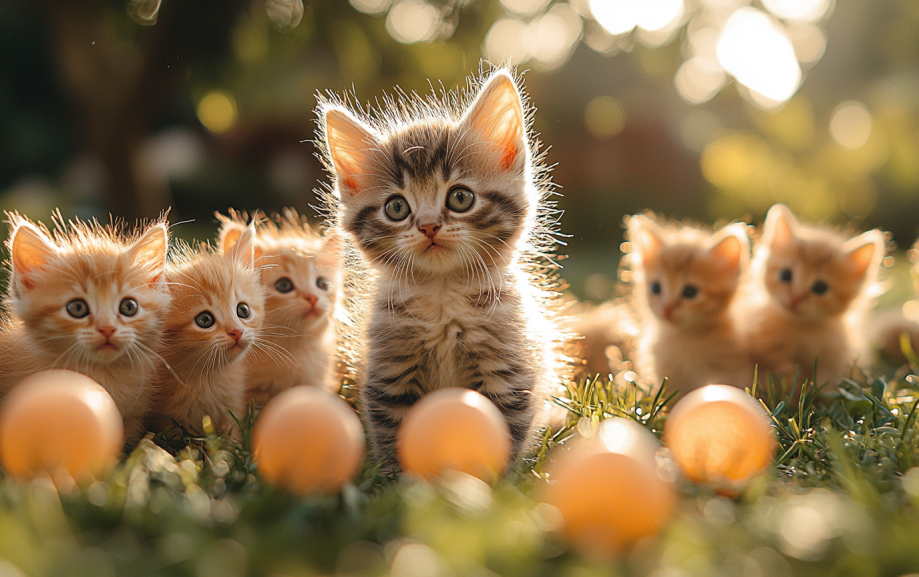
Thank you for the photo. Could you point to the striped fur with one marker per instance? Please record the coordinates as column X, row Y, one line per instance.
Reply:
column 471, row 303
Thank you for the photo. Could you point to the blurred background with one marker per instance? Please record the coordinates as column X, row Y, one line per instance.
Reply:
column 704, row 109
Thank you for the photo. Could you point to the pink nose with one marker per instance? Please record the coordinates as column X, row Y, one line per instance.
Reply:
column 429, row 230
column 106, row 332
column 312, row 299
column 668, row 311
column 235, row 333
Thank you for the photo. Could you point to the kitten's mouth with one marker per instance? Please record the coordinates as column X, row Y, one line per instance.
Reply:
column 106, row 346
column 435, row 248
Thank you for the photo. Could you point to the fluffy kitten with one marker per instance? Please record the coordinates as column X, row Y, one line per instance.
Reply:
column 446, row 203
column 685, row 284
column 812, row 288
column 217, row 312
column 90, row 299
column 301, row 275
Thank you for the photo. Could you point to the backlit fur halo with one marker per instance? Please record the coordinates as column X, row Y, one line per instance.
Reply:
column 392, row 115
column 273, row 231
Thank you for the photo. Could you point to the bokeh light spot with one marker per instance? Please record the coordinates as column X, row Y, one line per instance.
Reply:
column 658, row 14
column 285, row 15
column 851, row 124
column 616, row 16
column 604, row 117
column 801, row 10
column 699, row 79
column 144, row 12
column 411, row 21
column 371, row 6
column 736, row 160
column 524, row 7
column 507, row 40
column 217, row 112
column 756, row 51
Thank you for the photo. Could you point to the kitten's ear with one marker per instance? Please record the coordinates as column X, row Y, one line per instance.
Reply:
column 149, row 251
column 731, row 246
column 227, row 236
column 646, row 238
column 780, row 225
column 865, row 252
column 497, row 116
column 30, row 249
column 351, row 147
column 243, row 250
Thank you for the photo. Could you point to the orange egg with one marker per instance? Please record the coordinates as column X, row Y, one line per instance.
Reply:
column 59, row 420
column 308, row 441
column 458, row 430
column 610, row 490
column 720, row 436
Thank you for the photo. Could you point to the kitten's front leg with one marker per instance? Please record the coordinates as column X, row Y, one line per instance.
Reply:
column 511, row 390
column 386, row 397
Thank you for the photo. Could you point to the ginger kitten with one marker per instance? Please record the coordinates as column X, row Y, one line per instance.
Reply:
column 87, row 298
column 216, row 314
column 301, row 276
column 686, row 281
column 445, row 202
column 812, row 287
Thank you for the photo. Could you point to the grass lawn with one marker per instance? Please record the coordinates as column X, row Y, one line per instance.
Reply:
column 841, row 499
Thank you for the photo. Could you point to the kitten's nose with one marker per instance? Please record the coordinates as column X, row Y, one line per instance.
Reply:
column 235, row 333
column 668, row 312
column 429, row 230
column 106, row 332
column 311, row 298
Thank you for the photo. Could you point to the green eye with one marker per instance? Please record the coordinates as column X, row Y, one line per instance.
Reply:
column 397, row 208
column 77, row 308
column 460, row 199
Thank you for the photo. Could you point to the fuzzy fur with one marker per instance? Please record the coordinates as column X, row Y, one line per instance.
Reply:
column 204, row 370
column 790, row 326
column 298, row 345
column 686, row 281
column 101, row 266
column 475, row 311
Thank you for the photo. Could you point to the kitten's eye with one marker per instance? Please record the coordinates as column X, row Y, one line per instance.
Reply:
column 77, row 308
column 820, row 287
column 690, row 291
column 128, row 307
column 656, row 288
column 785, row 275
column 205, row 320
column 397, row 208
column 323, row 283
column 283, row 285
column 243, row 311
column 460, row 199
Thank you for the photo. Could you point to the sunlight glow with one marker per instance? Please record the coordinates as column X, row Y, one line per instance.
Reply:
column 284, row 14
column 411, row 21
column 808, row 40
column 851, row 124
column 800, row 10
column 756, row 51
column 658, row 14
column 554, row 34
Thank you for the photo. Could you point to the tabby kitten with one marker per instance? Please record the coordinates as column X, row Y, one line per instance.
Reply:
column 446, row 205
column 301, row 275
column 90, row 299
column 216, row 314
column 812, row 289
column 685, row 283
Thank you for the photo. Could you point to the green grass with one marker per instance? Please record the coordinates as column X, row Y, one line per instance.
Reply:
column 841, row 499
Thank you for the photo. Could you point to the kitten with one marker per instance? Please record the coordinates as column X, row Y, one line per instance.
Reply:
column 685, row 284
column 812, row 289
column 90, row 299
column 217, row 312
column 301, row 275
column 450, row 215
